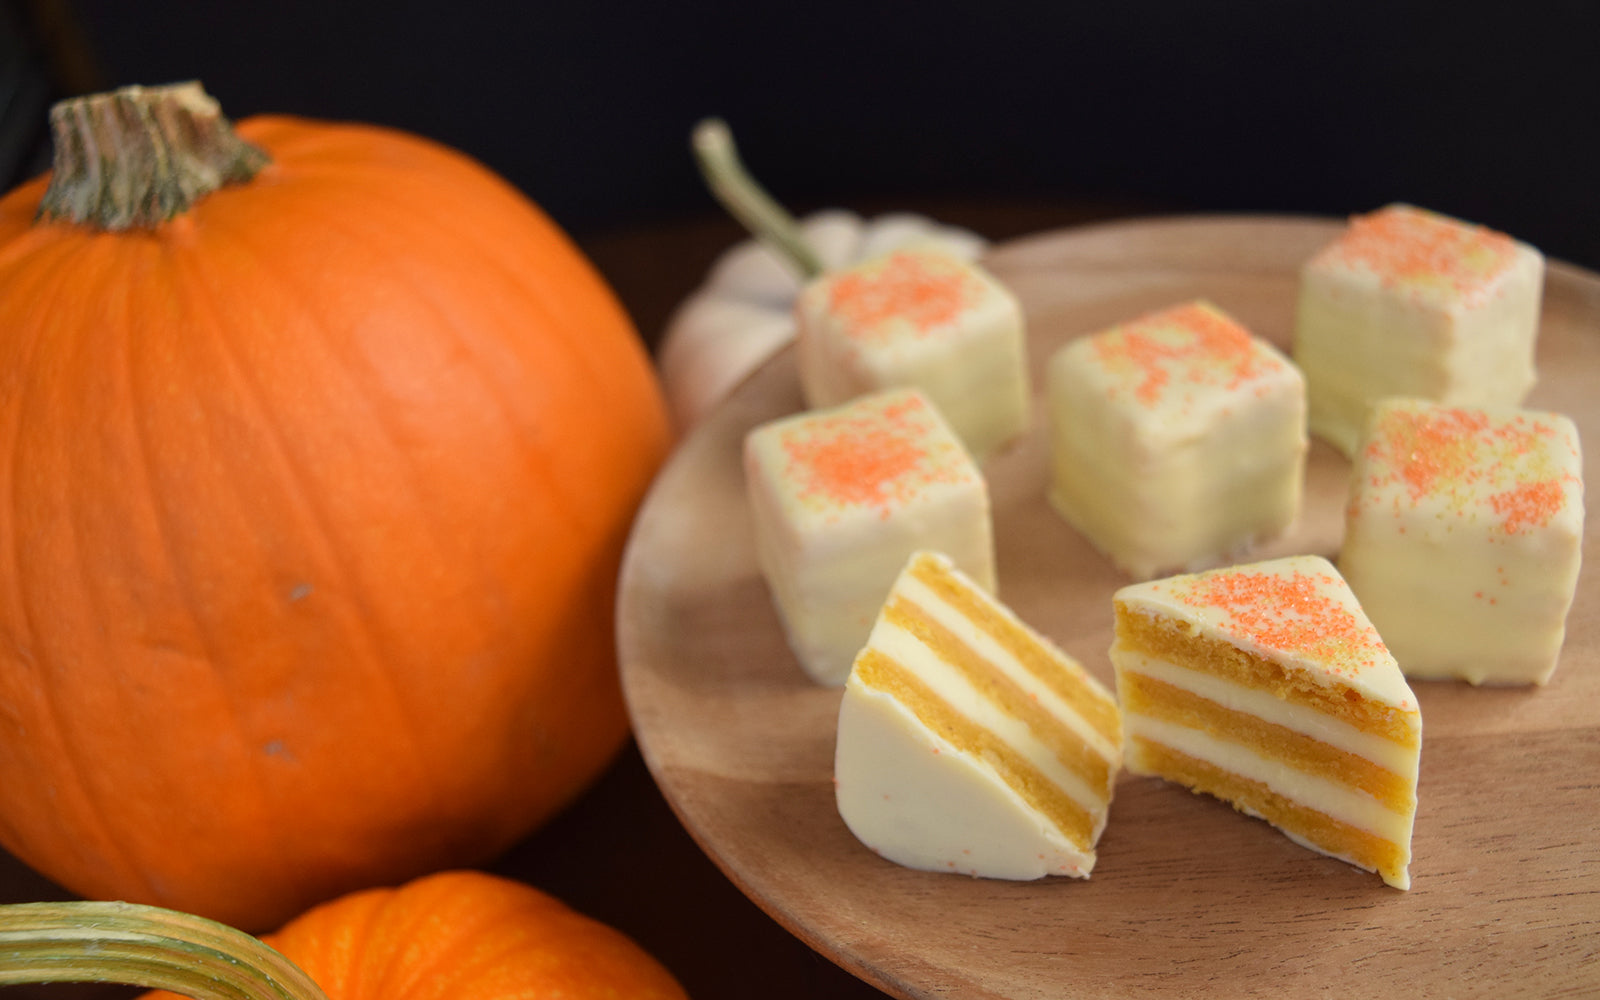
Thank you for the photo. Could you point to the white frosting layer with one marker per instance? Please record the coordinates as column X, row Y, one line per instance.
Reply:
column 841, row 498
column 1178, row 440
column 1335, row 732
column 1411, row 303
column 919, row 316
column 917, row 799
column 1464, row 538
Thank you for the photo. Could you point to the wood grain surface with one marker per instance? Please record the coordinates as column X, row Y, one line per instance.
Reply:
column 1189, row 898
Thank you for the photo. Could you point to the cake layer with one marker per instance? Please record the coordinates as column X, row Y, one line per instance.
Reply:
column 956, row 710
column 1377, row 767
column 1162, row 638
column 1305, row 825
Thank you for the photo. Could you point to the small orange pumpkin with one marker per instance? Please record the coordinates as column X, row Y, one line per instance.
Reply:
column 465, row 934
column 454, row 935
column 316, row 487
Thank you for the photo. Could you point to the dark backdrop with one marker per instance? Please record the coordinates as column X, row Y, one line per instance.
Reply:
column 1484, row 110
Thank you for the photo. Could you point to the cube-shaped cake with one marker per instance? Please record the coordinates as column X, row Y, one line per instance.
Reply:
column 922, row 317
column 970, row 743
column 841, row 498
column 1408, row 302
column 1178, row 439
column 1463, row 537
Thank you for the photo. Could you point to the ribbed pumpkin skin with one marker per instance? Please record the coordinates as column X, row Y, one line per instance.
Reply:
column 311, row 507
column 465, row 935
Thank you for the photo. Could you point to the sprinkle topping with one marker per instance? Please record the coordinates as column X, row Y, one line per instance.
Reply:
column 1295, row 612
column 878, row 453
column 907, row 290
column 1181, row 349
column 1428, row 254
column 1512, row 469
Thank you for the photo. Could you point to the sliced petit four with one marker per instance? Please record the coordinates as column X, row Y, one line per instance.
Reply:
column 968, row 742
column 1463, row 538
column 1266, row 686
column 1178, row 439
column 1408, row 302
column 919, row 316
column 841, row 497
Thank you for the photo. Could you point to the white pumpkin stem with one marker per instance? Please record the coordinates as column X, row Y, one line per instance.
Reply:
column 747, row 201
column 140, row 156
column 143, row 946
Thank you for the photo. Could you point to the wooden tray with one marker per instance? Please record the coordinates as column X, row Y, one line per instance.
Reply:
column 1189, row 898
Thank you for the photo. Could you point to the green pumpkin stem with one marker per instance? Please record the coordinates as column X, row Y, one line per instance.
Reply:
column 143, row 946
column 745, row 199
column 141, row 156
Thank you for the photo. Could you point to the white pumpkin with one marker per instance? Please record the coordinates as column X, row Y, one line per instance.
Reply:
column 743, row 313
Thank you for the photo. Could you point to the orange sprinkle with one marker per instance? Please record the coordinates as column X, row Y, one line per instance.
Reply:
column 874, row 457
column 1407, row 246
column 1291, row 614
column 1470, row 462
column 1195, row 342
column 913, row 288
column 1530, row 505
column 1430, row 447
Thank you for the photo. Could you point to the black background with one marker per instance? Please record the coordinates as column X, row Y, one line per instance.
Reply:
column 1487, row 111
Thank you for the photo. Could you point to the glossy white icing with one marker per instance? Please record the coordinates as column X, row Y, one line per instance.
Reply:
column 919, row 316
column 1178, row 440
column 1464, row 538
column 1408, row 302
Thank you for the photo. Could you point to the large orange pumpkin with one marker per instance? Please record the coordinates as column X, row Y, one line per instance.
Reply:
column 313, row 501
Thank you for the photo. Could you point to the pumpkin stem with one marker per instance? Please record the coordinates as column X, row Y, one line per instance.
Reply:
column 143, row 946
column 139, row 156
column 745, row 199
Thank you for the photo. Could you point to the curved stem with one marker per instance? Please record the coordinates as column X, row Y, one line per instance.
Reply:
column 745, row 199
column 143, row 946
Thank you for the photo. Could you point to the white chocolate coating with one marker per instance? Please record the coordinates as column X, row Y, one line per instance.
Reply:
column 919, row 316
column 1178, row 440
column 1464, row 537
column 841, row 498
column 914, row 795
column 1408, row 302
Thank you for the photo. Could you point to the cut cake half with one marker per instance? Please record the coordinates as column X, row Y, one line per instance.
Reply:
column 1267, row 686
column 968, row 742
